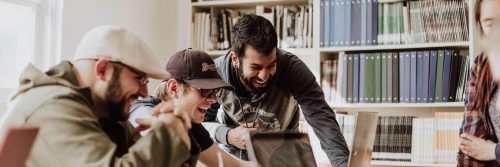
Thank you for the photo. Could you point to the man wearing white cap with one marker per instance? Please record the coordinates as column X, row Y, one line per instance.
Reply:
column 80, row 107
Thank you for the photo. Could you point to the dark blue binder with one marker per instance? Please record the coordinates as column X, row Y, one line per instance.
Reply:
column 374, row 18
column 407, row 77
column 432, row 75
column 425, row 77
column 356, row 20
column 455, row 73
column 364, row 22
column 355, row 85
column 446, row 75
column 347, row 23
column 350, row 77
column 328, row 28
column 402, row 82
column 413, row 79
column 336, row 23
column 368, row 22
column 322, row 23
column 419, row 76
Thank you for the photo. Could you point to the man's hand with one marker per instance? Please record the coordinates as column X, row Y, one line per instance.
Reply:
column 235, row 136
column 169, row 107
column 175, row 117
column 176, row 124
column 477, row 148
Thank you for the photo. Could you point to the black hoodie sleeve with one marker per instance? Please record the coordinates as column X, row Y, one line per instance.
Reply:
column 299, row 81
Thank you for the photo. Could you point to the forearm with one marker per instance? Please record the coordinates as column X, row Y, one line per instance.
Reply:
column 218, row 132
column 210, row 157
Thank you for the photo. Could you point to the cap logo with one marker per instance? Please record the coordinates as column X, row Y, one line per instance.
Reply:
column 208, row 67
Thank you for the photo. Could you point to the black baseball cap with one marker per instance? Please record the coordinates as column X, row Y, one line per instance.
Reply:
column 196, row 68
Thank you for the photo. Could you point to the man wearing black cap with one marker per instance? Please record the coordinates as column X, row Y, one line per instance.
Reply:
column 194, row 81
column 270, row 84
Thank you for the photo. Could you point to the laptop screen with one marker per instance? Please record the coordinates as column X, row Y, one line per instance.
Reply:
column 281, row 149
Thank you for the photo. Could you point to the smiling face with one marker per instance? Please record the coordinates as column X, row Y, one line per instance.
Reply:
column 254, row 68
column 122, row 89
column 190, row 99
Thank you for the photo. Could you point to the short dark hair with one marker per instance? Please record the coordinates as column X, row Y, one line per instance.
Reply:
column 255, row 31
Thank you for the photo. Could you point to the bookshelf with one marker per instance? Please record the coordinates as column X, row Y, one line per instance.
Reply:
column 397, row 105
column 395, row 47
column 385, row 163
column 245, row 3
column 216, row 53
column 315, row 55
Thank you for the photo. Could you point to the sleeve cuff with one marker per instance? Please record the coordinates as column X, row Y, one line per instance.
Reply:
column 221, row 134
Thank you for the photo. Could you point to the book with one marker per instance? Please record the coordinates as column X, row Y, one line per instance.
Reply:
column 448, row 55
column 413, row 75
column 439, row 76
column 389, row 72
column 425, row 77
column 395, row 78
column 355, row 84
column 402, row 83
column 419, row 81
column 383, row 78
column 362, row 78
column 378, row 78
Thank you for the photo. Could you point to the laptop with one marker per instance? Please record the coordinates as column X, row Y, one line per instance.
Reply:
column 16, row 145
column 279, row 149
column 294, row 149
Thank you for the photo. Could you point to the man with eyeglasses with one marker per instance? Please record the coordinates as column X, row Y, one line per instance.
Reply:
column 194, row 79
column 82, row 107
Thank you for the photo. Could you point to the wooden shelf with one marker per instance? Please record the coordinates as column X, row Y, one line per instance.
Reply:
column 296, row 51
column 389, row 1
column 216, row 53
column 300, row 51
column 398, row 105
column 390, row 163
column 246, row 3
column 395, row 47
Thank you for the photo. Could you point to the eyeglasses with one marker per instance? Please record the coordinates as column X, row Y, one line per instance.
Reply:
column 140, row 77
column 203, row 92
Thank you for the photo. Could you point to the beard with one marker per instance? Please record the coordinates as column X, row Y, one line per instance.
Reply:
column 248, row 80
column 116, row 109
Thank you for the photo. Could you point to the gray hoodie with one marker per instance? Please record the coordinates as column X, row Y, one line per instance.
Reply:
column 277, row 107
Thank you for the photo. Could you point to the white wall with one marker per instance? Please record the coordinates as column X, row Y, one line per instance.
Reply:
column 154, row 20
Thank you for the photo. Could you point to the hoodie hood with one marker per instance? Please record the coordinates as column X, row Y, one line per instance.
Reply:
column 61, row 74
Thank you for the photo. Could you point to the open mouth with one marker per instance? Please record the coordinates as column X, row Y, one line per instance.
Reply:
column 202, row 110
column 258, row 83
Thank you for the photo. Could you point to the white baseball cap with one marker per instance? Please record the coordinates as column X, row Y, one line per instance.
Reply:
column 118, row 44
